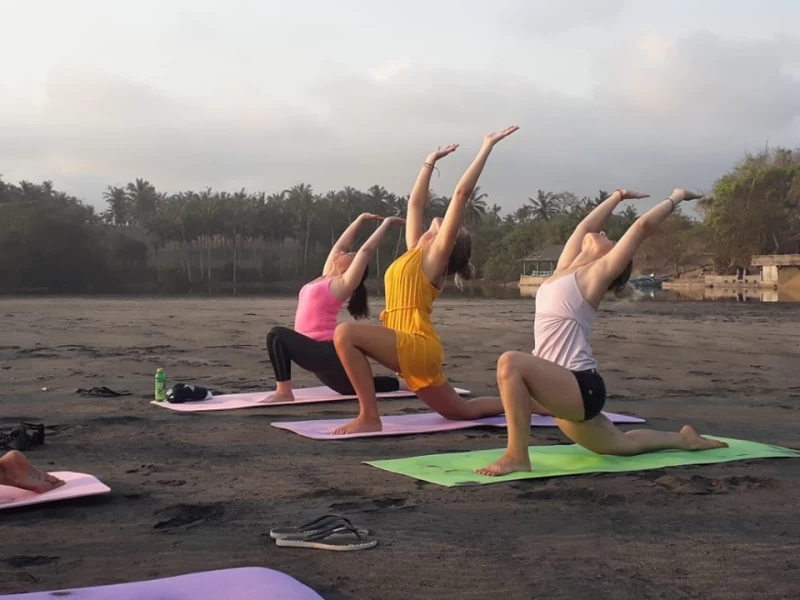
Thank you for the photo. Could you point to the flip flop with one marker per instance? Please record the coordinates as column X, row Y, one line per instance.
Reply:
column 340, row 538
column 102, row 392
column 313, row 527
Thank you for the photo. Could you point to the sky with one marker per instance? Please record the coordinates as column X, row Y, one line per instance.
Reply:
column 263, row 94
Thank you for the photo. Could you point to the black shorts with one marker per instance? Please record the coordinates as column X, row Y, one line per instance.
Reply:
column 593, row 392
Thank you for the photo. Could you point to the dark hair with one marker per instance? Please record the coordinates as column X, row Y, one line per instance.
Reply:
column 459, row 264
column 357, row 304
column 620, row 283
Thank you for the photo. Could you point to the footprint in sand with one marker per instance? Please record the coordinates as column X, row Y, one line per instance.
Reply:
column 374, row 505
column 187, row 515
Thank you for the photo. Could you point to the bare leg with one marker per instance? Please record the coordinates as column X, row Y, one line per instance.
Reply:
column 446, row 401
column 521, row 376
column 16, row 471
column 602, row 437
column 354, row 343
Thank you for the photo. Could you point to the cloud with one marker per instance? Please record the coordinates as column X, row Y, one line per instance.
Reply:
column 553, row 17
column 664, row 112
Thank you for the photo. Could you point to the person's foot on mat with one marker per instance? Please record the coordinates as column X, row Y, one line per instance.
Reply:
column 277, row 397
column 693, row 441
column 16, row 471
column 359, row 425
column 508, row 463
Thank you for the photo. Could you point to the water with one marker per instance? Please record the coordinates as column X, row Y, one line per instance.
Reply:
column 702, row 294
column 472, row 290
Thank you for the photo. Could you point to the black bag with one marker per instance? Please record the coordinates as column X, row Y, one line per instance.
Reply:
column 23, row 437
column 182, row 392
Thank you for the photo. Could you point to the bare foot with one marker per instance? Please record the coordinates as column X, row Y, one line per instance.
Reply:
column 506, row 464
column 359, row 425
column 277, row 397
column 694, row 441
column 16, row 471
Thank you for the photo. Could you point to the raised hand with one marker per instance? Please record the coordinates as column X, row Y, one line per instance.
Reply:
column 631, row 195
column 371, row 217
column 685, row 194
column 496, row 136
column 394, row 221
column 441, row 152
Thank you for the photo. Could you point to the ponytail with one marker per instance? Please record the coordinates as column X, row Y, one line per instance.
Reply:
column 357, row 305
column 620, row 286
column 466, row 273
column 459, row 264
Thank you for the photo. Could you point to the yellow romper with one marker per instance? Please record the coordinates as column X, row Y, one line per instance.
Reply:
column 409, row 303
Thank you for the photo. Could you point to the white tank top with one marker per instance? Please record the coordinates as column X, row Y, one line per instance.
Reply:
column 562, row 325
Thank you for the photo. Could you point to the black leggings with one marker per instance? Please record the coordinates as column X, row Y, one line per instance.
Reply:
column 320, row 358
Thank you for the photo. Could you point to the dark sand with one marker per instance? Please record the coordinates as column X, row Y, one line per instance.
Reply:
column 200, row 492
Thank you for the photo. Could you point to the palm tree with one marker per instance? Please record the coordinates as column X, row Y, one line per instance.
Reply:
column 118, row 205
column 545, row 205
column 279, row 223
column 476, row 207
column 436, row 206
column 376, row 199
column 522, row 214
column 208, row 209
column 630, row 213
column 143, row 200
column 301, row 201
column 494, row 212
column 400, row 210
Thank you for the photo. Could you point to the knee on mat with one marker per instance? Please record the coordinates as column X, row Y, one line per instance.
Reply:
column 457, row 415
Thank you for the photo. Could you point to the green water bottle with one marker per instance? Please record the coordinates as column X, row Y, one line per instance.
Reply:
column 161, row 385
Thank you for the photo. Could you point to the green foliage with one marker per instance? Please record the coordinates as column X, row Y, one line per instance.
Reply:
column 51, row 240
column 754, row 208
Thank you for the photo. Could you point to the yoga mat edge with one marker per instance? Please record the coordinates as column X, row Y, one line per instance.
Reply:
column 457, row 469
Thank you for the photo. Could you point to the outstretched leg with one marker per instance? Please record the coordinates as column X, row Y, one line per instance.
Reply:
column 354, row 343
column 445, row 400
column 16, row 471
column 603, row 437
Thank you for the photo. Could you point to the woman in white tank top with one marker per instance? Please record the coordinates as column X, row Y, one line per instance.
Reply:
column 561, row 376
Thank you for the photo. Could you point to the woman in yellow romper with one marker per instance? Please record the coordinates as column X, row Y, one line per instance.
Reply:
column 408, row 343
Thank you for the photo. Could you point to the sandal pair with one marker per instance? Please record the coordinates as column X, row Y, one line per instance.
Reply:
column 102, row 392
column 329, row 532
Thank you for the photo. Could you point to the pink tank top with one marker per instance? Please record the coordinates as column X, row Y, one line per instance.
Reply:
column 317, row 310
column 562, row 325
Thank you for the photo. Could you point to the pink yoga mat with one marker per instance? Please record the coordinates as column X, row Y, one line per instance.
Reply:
column 419, row 423
column 78, row 485
column 249, row 583
column 309, row 395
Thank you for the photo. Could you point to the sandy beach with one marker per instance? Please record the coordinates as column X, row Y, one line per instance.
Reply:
column 200, row 492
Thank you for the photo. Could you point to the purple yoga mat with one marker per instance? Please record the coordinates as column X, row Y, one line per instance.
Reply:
column 249, row 583
column 413, row 424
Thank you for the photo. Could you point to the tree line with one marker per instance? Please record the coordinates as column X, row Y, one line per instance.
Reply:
column 208, row 239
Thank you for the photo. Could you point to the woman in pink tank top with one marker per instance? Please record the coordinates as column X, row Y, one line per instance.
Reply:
column 310, row 343
column 561, row 375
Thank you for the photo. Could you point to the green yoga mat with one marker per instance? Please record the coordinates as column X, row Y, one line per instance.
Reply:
column 554, row 461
